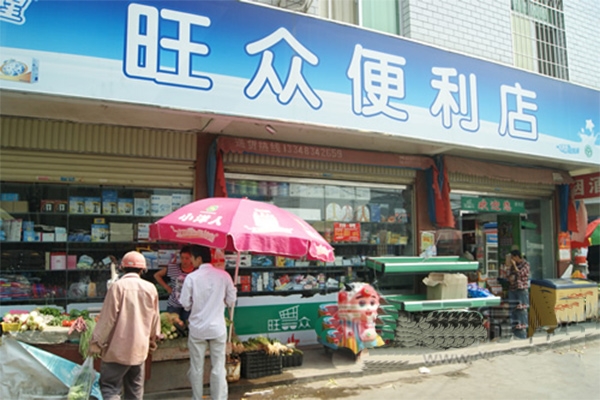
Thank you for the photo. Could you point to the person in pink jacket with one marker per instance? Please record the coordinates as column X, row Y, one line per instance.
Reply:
column 126, row 331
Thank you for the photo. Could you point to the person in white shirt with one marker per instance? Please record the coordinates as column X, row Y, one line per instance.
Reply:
column 205, row 293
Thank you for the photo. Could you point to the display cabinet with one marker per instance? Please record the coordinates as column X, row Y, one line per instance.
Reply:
column 358, row 220
column 58, row 240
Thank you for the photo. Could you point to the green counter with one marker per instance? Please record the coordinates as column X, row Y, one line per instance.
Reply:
column 416, row 265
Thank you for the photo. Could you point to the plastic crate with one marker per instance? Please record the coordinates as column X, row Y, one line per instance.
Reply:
column 292, row 360
column 256, row 364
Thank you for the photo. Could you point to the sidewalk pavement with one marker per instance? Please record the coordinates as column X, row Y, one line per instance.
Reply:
column 323, row 364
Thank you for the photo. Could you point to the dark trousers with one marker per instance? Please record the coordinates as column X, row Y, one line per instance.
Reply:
column 116, row 378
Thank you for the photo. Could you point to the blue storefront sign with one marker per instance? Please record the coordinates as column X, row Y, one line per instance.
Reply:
column 239, row 59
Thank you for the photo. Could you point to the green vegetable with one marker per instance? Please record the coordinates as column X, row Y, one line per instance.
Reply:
column 57, row 321
column 85, row 337
column 79, row 313
column 77, row 393
column 82, row 385
column 49, row 311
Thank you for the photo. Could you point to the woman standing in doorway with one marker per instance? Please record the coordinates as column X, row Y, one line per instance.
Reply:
column 176, row 274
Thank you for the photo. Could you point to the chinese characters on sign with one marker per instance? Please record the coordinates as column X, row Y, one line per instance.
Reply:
column 445, row 102
column 13, row 11
column 147, row 56
column 492, row 204
column 518, row 124
column 288, row 149
column 377, row 78
column 586, row 186
column 202, row 219
column 266, row 74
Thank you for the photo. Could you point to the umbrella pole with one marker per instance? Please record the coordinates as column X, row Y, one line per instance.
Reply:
column 231, row 310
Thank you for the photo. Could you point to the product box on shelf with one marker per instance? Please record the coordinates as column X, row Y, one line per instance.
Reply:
column 244, row 279
column 15, row 206
column 160, row 205
column 179, row 200
column 47, row 206
column 151, row 258
column 6, row 205
column 93, row 205
column 100, row 232
column 31, row 236
column 231, row 259
column 121, row 232
column 71, row 261
column 58, row 261
column 28, row 226
column 48, row 237
column 61, row 206
column 60, row 234
column 375, row 212
column 20, row 206
column 76, row 205
column 143, row 231
column 245, row 287
column 168, row 256
column 109, row 202
column 9, row 196
column 125, row 206
column 141, row 205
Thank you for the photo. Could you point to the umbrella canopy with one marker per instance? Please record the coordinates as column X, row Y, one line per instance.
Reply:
column 592, row 233
column 242, row 225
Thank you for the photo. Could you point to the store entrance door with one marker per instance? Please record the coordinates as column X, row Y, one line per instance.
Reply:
column 490, row 237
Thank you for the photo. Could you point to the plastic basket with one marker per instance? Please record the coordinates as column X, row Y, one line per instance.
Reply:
column 256, row 364
column 10, row 326
column 292, row 360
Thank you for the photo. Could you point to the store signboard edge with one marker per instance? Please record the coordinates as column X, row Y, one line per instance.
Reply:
column 315, row 105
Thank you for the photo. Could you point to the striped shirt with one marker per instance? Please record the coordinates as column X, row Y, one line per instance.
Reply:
column 176, row 278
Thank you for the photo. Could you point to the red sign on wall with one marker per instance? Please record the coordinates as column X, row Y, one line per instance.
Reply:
column 586, row 186
column 345, row 232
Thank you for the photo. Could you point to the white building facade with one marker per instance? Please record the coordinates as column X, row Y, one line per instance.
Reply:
column 558, row 38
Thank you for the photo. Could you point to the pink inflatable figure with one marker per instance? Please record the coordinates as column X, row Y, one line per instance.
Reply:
column 352, row 323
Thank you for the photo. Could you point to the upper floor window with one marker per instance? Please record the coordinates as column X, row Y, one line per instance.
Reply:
column 379, row 15
column 539, row 42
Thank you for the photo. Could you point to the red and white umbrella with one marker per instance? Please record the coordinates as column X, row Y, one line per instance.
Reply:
column 242, row 225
